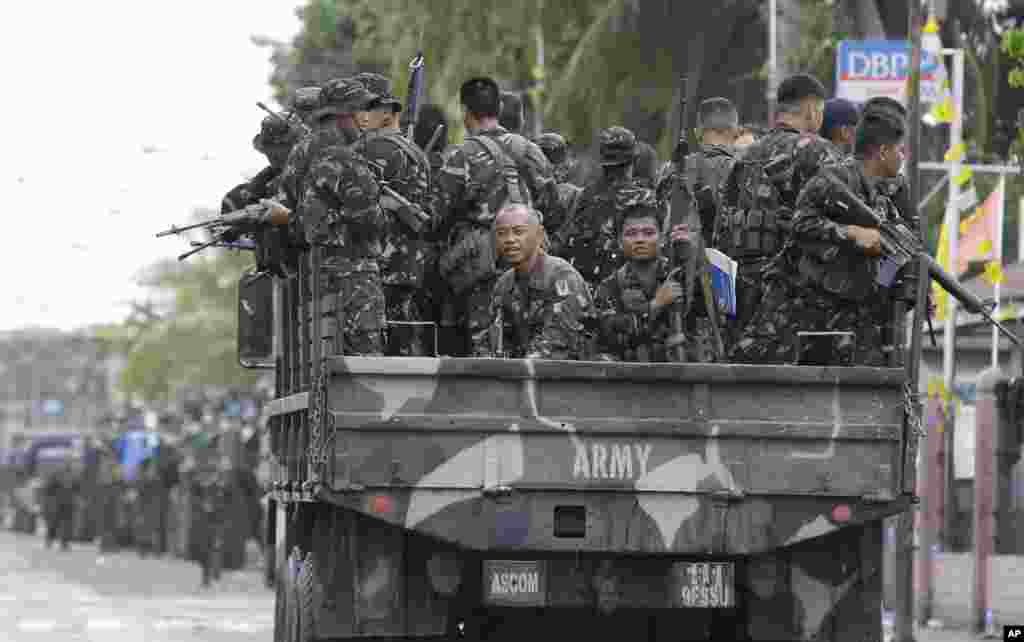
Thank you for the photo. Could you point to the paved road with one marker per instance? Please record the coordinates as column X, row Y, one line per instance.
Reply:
column 47, row 595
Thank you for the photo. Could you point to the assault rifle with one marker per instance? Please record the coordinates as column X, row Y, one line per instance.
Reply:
column 687, row 257
column 303, row 127
column 902, row 246
column 407, row 212
column 243, row 221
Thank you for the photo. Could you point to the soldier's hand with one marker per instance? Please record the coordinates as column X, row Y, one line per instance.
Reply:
column 634, row 301
column 668, row 293
column 680, row 232
column 867, row 239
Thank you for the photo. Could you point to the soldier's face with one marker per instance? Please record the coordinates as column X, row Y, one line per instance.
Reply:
column 892, row 157
column 517, row 237
column 640, row 239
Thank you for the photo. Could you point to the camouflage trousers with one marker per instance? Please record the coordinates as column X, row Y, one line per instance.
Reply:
column 771, row 338
column 353, row 306
column 469, row 315
column 406, row 303
column 749, row 292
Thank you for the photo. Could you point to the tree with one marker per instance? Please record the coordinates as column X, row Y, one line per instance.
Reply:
column 186, row 334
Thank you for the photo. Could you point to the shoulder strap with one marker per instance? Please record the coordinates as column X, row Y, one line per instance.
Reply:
column 507, row 167
column 409, row 148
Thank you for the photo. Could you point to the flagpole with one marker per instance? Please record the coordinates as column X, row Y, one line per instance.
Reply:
column 998, row 258
column 952, row 224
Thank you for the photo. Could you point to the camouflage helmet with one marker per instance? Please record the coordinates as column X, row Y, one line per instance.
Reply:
column 618, row 146
column 342, row 96
column 380, row 86
column 306, row 100
column 554, row 147
column 276, row 132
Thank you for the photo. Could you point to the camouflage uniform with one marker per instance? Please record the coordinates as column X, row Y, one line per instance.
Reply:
column 542, row 315
column 645, row 165
column 822, row 281
column 341, row 214
column 633, row 335
column 756, row 208
column 566, row 194
column 707, row 169
column 401, row 165
column 589, row 239
column 490, row 168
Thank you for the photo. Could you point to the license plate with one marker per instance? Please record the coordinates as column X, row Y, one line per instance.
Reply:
column 706, row 585
column 514, row 583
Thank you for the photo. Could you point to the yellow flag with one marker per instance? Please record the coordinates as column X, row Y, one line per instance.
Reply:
column 932, row 25
column 965, row 175
column 955, row 152
column 1008, row 312
column 942, row 256
column 942, row 111
column 993, row 272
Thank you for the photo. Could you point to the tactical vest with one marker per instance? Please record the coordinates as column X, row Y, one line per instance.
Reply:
column 757, row 203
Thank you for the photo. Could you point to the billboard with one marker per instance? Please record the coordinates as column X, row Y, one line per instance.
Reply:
column 869, row 68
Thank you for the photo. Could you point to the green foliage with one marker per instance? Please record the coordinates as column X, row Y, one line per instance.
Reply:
column 190, row 338
column 1013, row 44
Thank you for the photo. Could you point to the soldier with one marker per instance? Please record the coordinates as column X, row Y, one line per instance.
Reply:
column 540, row 306
column 705, row 170
column 839, row 123
column 589, row 239
column 59, row 492
column 208, row 503
column 828, row 279
column 275, row 141
column 632, row 304
column 557, row 152
column 398, row 163
column 492, row 167
column 512, row 117
column 759, row 195
column 341, row 214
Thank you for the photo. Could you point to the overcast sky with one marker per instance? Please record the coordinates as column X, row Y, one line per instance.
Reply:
column 87, row 87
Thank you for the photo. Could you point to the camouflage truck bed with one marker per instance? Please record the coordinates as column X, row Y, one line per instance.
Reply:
column 653, row 459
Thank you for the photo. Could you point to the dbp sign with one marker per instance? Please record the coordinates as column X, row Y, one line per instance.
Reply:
column 866, row 69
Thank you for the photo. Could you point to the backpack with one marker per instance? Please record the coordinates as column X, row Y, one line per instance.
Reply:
column 508, row 183
column 757, row 197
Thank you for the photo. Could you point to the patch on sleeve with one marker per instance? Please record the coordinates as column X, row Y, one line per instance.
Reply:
column 562, row 287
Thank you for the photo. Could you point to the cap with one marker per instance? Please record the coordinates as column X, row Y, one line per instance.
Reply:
column 380, row 86
column 617, row 147
column 554, row 146
column 306, row 100
column 798, row 87
column 839, row 112
column 342, row 96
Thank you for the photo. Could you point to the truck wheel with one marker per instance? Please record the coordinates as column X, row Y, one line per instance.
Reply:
column 308, row 595
column 286, row 606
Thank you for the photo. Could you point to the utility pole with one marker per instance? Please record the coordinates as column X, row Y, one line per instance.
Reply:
column 773, row 63
column 904, row 558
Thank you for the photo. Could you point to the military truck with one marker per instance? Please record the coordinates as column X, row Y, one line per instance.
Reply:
column 483, row 499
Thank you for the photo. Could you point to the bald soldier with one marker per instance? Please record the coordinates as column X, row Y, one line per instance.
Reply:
column 539, row 307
